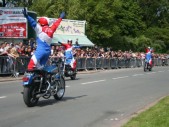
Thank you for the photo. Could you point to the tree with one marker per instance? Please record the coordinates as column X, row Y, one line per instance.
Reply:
column 120, row 24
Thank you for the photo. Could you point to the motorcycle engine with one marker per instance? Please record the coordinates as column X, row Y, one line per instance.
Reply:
column 70, row 72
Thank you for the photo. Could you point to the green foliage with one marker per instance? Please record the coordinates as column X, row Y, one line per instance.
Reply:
column 159, row 36
column 158, row 47
column 121, row 24
column 156, row 116
column 129, row 19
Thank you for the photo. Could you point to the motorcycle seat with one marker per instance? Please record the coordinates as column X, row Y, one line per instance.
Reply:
column 39, row 71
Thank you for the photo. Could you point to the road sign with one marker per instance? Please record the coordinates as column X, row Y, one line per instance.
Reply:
column 12, row 23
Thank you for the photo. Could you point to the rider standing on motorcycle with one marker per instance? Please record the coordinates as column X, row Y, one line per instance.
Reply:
column 44, row 34
column 148, row 55
column 70, row 60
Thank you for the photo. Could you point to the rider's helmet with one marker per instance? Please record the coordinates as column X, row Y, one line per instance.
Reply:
column 149, row 50
column 69, row 41
column 43, row 21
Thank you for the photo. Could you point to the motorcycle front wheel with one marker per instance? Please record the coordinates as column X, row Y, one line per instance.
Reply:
column 150, row 68
column 60, row 89
column 29, row 96
column 145, row 67
column 73, row 77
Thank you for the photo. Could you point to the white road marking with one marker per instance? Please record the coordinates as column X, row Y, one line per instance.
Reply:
column 137, row 74
column 92, row 82
column 150, row 73
column 160, row 71
column 67, row 86
column 2, row 97
column 120, row 77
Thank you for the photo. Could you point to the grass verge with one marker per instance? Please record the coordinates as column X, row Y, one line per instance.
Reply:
column 155, row 116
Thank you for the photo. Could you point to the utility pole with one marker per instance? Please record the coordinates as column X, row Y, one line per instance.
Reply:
column 3, row 3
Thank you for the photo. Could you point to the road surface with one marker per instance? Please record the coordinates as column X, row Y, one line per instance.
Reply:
column 101, row 99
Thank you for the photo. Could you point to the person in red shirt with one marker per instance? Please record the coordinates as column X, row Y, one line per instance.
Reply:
column 44, row 34
column 69, row 53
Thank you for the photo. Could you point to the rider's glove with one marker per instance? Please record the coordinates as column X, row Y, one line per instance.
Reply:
column 25, row 13
column 59, row 42
column 62, row 15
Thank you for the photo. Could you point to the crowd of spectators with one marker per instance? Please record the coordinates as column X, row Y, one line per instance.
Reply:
column 27, row 49
column 16, row 49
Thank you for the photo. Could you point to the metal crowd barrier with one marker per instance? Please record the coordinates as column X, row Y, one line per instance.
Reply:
column 81, row 63
column 13, row 66
column 6, row 65
column 99, row 63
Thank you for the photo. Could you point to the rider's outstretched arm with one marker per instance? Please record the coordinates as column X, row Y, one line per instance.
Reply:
column 76, row 46
column 65, row 45
column 32, row 22
column 57, row 22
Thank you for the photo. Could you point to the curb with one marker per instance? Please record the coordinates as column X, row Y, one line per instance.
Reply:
column 10, row 78
column 5, row 79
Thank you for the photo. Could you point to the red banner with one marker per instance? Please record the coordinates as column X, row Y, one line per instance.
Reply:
column 12, row 23
column 13, row 30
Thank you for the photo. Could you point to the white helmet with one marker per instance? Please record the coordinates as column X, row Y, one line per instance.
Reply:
column 69, row 40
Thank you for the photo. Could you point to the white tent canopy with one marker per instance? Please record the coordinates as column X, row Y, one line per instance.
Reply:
column 82, row 39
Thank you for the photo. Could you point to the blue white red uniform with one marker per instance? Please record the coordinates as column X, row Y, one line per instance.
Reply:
column 148, row 55
column 43, row 40
column 70, row 60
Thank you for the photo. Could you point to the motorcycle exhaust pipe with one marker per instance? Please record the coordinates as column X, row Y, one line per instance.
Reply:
column 40, row 95
column 43, row 94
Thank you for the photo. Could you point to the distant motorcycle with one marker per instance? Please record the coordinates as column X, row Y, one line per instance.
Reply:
column 147, row 66
column 163, row 62
column 44, row 83
column 69, row 71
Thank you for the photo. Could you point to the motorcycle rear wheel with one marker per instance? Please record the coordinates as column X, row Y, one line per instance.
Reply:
column 60, row 89
column 29, row 96
column 150, row 68
column 145, row 67
column 73, row 77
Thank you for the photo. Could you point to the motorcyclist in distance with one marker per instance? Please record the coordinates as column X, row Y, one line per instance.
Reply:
column 44, row 34
column 148, row 55
column 70, row 60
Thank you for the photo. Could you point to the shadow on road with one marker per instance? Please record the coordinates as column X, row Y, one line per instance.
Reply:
column 43, row 103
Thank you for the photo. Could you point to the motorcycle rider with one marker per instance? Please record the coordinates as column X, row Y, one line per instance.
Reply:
column 44, row 34
column 148, row 56
column 70, row 60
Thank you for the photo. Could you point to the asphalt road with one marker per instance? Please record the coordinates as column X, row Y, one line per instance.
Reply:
column 102, row 99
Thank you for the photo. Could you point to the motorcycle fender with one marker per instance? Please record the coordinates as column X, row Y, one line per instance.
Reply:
column 26, row 83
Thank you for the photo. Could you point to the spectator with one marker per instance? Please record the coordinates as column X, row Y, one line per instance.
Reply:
column 77, row 43
column 52, row 50
column 2, row 48
column 28, row 51
column 13, row 52
column 19, row 47
column 32, row 43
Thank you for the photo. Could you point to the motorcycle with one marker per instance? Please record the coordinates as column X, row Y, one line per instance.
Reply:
column 66, row 69
column 69, row 72
column 44, row 83
column 147, row 66
column 163, row 62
